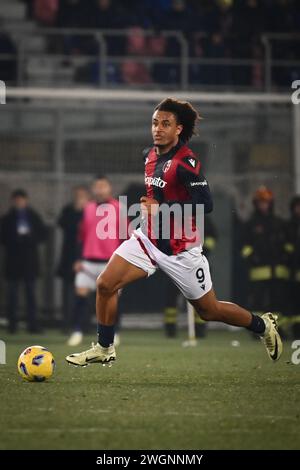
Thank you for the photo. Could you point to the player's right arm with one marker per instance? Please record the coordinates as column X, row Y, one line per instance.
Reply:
column 196, row 185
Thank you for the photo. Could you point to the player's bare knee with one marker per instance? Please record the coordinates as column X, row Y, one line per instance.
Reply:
column 104, row 286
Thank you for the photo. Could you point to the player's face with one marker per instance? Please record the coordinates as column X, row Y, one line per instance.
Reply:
column 20, row 202
column 101, row 190
column 263, row 206
column 165, row 129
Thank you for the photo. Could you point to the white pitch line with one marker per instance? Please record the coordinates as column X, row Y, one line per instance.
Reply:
column 176, row 413
column 192, row 414
column 53, row 430
column 66, row 431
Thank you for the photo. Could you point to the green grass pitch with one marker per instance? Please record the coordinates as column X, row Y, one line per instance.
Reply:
column 157, row 395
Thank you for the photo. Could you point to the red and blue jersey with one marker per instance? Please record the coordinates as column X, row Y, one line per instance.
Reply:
column 175, row 177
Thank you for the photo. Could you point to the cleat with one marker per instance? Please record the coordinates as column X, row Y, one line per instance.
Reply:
column 96, row 354
column 271, row 337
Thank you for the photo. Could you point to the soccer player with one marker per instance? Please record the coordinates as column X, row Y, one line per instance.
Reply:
column 173, row 174
column 94, row 252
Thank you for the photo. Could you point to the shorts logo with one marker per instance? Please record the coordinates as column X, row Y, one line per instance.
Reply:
column 150, row 181
column 166, row 166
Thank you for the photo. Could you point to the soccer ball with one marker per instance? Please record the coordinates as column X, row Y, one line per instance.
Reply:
column 36, row 364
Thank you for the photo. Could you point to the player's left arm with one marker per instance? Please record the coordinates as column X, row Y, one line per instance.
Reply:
column 190, row 174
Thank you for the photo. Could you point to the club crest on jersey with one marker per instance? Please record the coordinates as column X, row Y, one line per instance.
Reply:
column 156, row 181
column 166, row 166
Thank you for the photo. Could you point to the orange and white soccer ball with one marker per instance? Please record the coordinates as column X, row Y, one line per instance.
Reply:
column 36, row 364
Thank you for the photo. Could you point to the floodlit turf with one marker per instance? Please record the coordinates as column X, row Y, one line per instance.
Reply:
column 157, row 396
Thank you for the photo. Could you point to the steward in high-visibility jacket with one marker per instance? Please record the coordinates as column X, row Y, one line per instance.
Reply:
column 266, row 258
column 292, row 246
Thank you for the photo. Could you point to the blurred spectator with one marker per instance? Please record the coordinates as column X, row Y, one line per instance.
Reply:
column 152, row 12
column 241, row 17
column 214, row 46
column 197, row 72
column 105, row 15
column 161, row 46
column 229, row 29
column 205, row 16
column 280, row 16
column 217, row 74
column 45, row 11
column 136, row 42
column 135, row 72
column 157, row 45
column 211, row 39
column 224, row 17
column 68, row 221
column 178, row 17
column 74, row 13
column 248, row 21
column 22, row 230
column 157, row 48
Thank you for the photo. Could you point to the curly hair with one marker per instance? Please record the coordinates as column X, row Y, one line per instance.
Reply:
column 185, row 114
